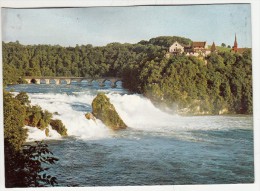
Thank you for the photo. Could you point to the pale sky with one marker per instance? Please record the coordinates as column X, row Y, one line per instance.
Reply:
column 101, row 25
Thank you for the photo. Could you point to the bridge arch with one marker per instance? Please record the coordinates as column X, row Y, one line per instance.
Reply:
column 107, row 82
column 94, row 82
column 52, row 81
column 65, row 81
column 85, row 81
column 75, row 81
column 118, row 83
column 35, row 81
column 43, row 81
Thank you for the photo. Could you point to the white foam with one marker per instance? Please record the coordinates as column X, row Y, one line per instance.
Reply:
column 75, row 121
column 35, row 134
column 136, row 111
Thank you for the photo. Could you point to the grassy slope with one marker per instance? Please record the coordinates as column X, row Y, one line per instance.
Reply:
column 221, row 49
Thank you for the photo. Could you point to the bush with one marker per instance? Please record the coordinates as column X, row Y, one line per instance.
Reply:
column 24, row 168
column 57, row 125
column 36, row 117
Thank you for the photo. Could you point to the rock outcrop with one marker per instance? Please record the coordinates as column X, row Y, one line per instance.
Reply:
column 102, row 109
column 90, row 116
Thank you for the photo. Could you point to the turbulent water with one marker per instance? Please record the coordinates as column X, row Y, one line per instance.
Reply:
column 156, row 149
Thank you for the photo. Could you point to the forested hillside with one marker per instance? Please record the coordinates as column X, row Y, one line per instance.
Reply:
column 79, row 61
column 220, row 83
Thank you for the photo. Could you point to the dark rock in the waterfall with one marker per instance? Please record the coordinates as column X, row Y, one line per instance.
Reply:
column 102, row 109
column 90, row 116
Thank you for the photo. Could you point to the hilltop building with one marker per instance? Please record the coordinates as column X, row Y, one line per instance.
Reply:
column 200, row 49
column 176, row 48
column 195, row 49
column 199, row 46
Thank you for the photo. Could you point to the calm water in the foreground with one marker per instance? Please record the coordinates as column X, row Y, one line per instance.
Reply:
column 156, row 149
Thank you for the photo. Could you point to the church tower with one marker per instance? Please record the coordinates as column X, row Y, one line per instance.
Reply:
column 235, row 44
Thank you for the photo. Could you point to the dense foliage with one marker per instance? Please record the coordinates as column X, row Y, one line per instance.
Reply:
column 36, row 117
column 23, row 164
column 79, row 61
column 165, row 41
column 27, row 167
column 216, row 84
column 220, row 83
column 14, row 117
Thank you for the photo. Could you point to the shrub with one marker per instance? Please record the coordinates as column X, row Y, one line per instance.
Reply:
column 57, row 125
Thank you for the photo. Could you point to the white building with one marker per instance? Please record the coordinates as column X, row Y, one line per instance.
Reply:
column 176, row 48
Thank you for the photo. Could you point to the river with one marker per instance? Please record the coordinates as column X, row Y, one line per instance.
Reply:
column 156, row 149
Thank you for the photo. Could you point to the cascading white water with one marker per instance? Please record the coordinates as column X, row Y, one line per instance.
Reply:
column 136, row 111
column 139, row 113
column 74, row 120
column 37, row 134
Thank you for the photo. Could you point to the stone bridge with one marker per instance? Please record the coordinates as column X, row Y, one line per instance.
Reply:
column 70, row 80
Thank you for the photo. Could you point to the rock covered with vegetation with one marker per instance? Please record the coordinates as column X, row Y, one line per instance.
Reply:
column 102, row 109
column 57, row 125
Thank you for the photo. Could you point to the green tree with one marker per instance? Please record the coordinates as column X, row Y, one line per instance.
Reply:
column 14, row 116
column 23, row 98
column 23, row 163
column 25, row 168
